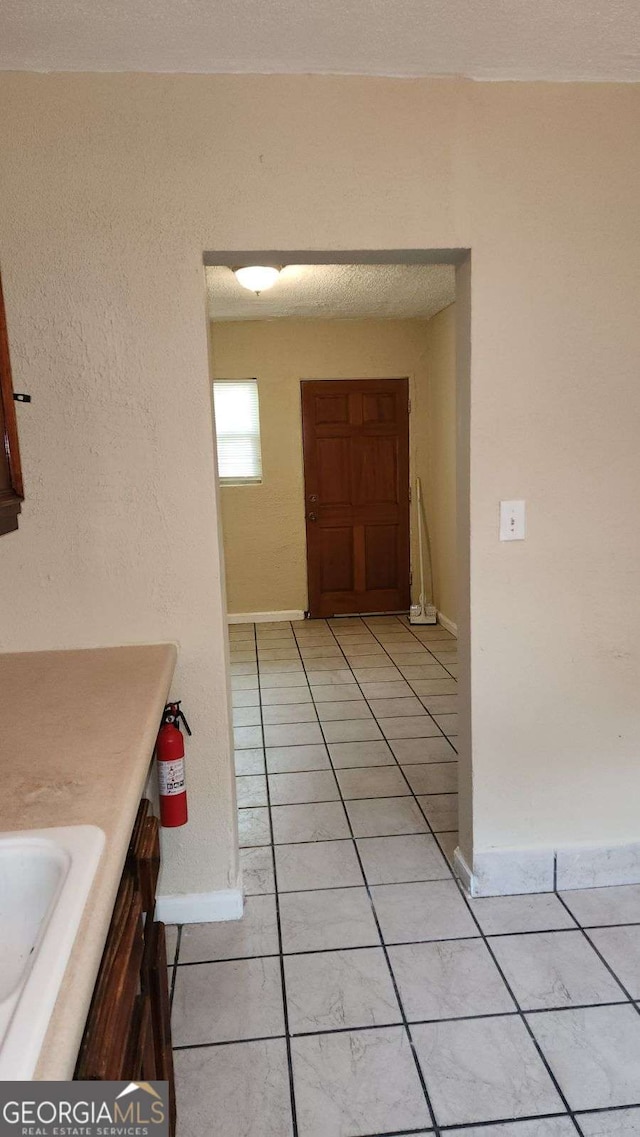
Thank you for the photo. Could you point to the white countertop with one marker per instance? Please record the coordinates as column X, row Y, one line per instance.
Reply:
column 78, row 733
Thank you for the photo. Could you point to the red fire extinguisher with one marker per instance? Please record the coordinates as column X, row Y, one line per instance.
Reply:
column 171, row 778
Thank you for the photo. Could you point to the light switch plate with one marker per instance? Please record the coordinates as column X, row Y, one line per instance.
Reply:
column 512, row 520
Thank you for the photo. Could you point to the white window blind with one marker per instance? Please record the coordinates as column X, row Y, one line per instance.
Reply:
column 238, row 430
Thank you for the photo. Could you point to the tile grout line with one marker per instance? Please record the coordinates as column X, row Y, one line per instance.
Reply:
column 601, row 957
column 518, row 1011
column 434, row 1123
column 285, row 1009
column 515, row 1001
column 427, row 711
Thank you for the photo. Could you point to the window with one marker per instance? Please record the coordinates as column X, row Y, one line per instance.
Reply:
column 237, row 430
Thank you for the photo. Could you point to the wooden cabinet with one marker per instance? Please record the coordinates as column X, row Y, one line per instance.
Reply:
column 11, row 492
column 128, row 1031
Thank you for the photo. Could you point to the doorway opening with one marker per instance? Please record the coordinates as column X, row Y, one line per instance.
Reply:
column 349, row 721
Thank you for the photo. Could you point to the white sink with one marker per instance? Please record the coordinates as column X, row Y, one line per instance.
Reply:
column 45, row 879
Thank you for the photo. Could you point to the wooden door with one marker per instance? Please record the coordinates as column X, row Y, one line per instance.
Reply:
column 11, row 492
column 356, row 472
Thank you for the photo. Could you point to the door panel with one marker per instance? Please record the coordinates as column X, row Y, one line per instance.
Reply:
column 356, row 464
column 381, row 556
column 334, row 471
column 336, row 559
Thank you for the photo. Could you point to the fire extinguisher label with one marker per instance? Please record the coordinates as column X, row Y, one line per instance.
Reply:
column 171, row 778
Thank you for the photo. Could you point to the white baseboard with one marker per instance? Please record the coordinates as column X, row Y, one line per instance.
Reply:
column 200, row 907
column 264, row 617
column 507, row 872
column 596, row 866
column 510, row 872
column 463, row 872
column 447, row 623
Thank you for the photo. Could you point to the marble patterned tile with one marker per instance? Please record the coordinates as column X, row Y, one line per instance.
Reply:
column 394, row 860
column 448, row 723
column 441, row 811
column 371, row 782
column 243, row 669
column 288, row 696
column 593, row 1053
column 321, row 821
column 421, row 671
column 449, row 979
column 253, row 827
column 378, row 660
column 257, row 871
column 416, row 751
column 348, row 755
column 341, row 710
column 536, row 912
column 433, row 910
column 330, row 663
column 483, row 1070
column 597, row 906
column 282, row 673
column 242, row 698
column 448, row 842
column 386, row 674
column 611, row 1123
column 433, row 778
column 292, row 734
column 297, row 759
column 621, row 949
column 247, row 737
column 247, row 1085
column 425, row 688
column 391, row 690
column 336, row 693
column 554, row 969
column 273, row 654
column 357, row 1083
column 289, row 713
column 223, row 1002
column 323, row 864
column 246, row 716
column 295, row 789
column 327, row 919
column 397, row 707
column 339, row 989
column 251, row 790
column 249, row 761
column 351, row 730
column 171, row 941
column 255, row 934
column 540, row 1127
column 330, row 677
column 244, row 682
column 440, row 704
column 385, row 817
column 411, row 726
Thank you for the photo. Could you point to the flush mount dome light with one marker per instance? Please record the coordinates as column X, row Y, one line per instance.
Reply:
column 257, row 277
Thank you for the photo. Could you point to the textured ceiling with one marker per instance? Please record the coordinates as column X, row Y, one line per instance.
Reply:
column 334, row 292
column 482, row 39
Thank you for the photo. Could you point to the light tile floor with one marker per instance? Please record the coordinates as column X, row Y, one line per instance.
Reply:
column 362, row 994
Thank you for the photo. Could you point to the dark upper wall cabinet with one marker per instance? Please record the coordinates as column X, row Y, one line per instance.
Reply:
column 11, row 492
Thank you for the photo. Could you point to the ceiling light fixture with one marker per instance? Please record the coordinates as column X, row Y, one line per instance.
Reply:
column 257, row 277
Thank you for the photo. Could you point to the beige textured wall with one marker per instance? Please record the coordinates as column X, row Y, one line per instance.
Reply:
column 264, row 529
column 113, row 185
column 435, row 432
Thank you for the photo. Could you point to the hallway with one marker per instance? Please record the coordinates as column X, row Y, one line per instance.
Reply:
column 406, row 1007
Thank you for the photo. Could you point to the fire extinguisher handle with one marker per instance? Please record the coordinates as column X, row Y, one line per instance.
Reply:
column 173, row 713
